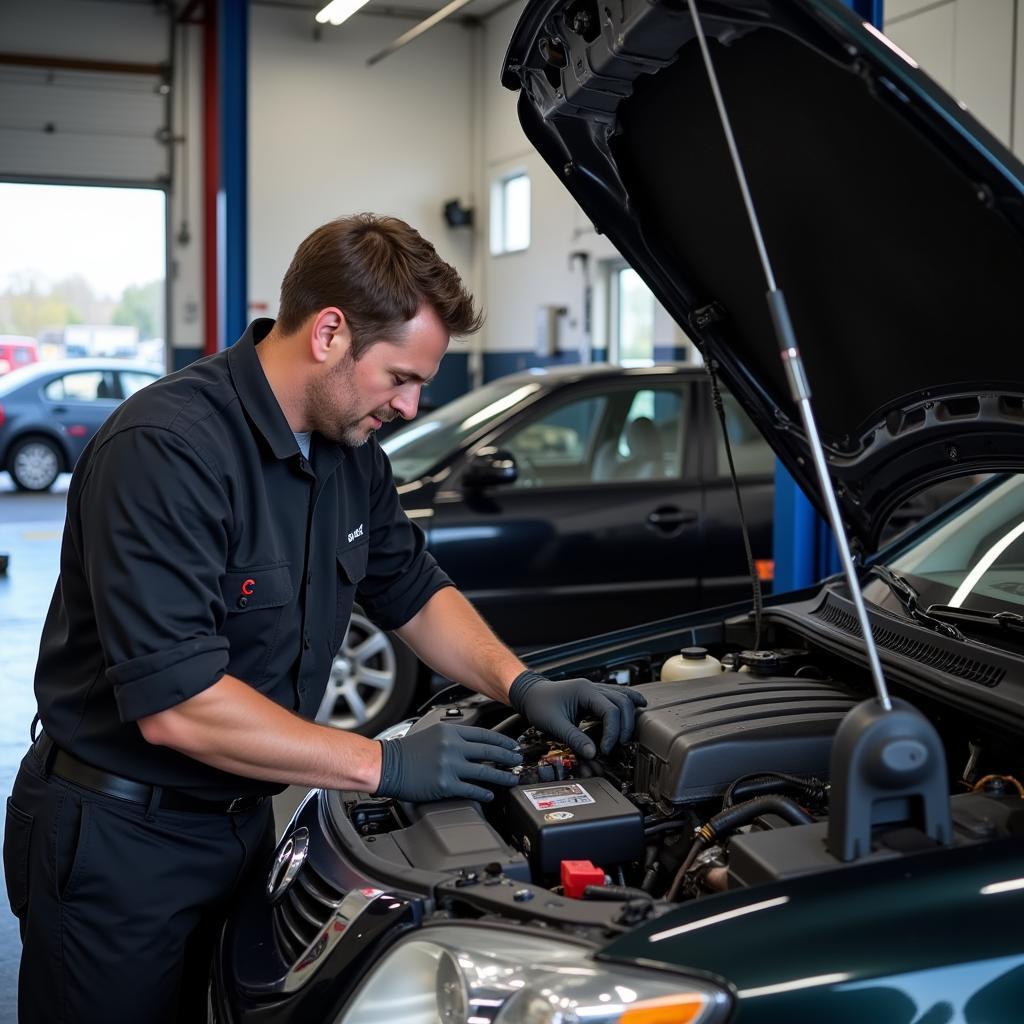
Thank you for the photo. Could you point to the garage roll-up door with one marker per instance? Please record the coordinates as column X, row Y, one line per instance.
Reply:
column 60, row 123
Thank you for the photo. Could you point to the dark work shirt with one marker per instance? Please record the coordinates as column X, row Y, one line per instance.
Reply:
column 198, row 542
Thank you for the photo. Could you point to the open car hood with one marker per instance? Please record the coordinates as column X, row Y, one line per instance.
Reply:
column 893, row 220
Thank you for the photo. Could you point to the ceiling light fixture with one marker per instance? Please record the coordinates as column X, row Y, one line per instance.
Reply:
column 338, row 11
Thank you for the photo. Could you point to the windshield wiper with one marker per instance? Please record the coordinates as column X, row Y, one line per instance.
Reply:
column 972, row 618
column 910, row 601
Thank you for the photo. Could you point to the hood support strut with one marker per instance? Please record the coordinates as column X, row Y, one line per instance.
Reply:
column 795, row 374
column 888, row 764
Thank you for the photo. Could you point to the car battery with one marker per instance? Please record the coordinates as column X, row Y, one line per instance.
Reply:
column 575, row 819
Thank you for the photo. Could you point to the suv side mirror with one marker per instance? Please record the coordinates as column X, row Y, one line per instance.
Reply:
column 490, row 467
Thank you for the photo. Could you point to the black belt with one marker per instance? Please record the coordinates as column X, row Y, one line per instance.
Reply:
column 69, row 768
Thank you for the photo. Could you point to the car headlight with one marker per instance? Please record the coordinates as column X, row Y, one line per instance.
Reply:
column 455, row 974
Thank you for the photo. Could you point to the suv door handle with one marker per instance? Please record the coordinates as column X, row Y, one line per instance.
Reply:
column 669, row 519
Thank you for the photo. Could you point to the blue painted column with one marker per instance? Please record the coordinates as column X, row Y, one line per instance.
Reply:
column 232, row 191
column 804, row 550
column 869, row 10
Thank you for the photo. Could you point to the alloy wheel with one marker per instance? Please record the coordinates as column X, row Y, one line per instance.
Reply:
column 362, row 677
column 35, row 465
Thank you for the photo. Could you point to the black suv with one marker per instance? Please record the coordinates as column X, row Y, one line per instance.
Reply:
column 565, row 502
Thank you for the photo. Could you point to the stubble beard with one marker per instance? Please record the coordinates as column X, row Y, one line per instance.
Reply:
column 333, row 407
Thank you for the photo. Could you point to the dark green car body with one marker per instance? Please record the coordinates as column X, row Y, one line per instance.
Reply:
column 918, row 940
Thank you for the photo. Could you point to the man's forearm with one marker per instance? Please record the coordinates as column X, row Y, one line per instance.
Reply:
column 448, row 634
column 233, row 727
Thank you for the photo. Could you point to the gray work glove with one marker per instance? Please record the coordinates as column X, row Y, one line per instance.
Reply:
column 442, row 762
column 557, row 708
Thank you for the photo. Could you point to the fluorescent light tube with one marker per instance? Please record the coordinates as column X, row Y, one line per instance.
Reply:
column 338, row 10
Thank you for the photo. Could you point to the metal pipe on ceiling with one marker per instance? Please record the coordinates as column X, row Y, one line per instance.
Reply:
column 417, row 30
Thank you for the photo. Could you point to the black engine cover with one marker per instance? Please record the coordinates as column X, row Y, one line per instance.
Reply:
column 696, row 736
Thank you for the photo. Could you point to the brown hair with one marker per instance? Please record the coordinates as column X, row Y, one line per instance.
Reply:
column 378, row 271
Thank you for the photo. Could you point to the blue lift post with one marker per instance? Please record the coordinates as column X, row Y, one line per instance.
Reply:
column 804, row 550
column 232, row 193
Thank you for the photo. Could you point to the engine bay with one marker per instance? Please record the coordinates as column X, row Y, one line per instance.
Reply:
column 725, row 784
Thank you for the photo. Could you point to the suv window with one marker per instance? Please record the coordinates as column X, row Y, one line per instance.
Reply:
column 82, row 386
column 602, row 438
column 557, row 448
column 751, row 453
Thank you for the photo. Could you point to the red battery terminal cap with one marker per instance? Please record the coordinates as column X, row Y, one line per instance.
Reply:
column 577, row 875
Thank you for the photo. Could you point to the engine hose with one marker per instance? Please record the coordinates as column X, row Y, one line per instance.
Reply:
column 664, row 826
column 813, row 789
column 733, row 818
column 738, row 815
column 615, row 892
column 812, row 792
column 650, row 877
column 677, row 883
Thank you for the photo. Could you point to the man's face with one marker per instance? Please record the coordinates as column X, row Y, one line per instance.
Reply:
column 352, row 398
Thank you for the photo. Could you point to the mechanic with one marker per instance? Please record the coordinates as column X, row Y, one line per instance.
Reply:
column 219, row 527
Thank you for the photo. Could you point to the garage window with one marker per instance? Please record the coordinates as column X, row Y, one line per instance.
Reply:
column 510, row 214
column 632, row 318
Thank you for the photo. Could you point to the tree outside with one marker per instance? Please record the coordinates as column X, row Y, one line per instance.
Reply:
column 142, row 306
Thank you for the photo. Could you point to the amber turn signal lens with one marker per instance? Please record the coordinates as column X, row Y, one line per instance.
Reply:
column 680, row 1009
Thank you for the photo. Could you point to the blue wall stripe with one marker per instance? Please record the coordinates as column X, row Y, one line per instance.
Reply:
column 452, row 380
column 232, row 196
column 181, row 357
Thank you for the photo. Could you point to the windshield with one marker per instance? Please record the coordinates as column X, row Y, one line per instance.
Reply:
column 418, row 447
column 974, row 559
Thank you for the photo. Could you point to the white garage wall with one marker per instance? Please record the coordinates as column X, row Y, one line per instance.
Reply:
column 968, row 47
column 516, row 284
column 330, row 136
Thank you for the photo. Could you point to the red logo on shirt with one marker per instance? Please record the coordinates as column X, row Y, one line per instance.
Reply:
column 248, row 586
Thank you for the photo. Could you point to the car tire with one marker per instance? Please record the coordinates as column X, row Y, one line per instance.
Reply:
column 35, row 463
column 373, row 680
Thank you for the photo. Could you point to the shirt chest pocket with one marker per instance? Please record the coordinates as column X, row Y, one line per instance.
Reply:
column 256, row 600
column 351, row 571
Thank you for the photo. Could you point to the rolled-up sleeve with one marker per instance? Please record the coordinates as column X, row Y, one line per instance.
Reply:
column 154, row 542
column 401, row 575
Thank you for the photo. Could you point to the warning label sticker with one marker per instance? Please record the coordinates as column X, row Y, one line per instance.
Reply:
column 568, row 794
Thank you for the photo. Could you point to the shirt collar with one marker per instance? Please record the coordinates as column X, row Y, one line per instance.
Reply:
column 254, row 390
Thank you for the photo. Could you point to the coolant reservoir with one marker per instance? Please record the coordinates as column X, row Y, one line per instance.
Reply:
column 690, row 663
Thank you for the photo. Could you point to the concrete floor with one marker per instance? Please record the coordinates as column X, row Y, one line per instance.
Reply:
column 30, row 532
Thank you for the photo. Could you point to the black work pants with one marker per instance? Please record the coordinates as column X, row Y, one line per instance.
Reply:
column 120, row 905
